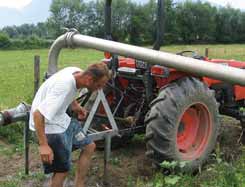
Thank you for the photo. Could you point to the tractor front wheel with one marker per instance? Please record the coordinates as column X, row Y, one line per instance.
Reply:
column 183, row 124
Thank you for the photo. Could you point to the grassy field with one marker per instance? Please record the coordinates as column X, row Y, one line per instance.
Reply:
column 16, row 71
column 16, row 80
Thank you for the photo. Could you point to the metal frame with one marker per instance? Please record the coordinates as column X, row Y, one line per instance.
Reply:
column 98, row 135
column 108, row 33
column 160, row 25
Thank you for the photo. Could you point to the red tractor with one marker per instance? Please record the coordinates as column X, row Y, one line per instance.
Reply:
column 178, row 112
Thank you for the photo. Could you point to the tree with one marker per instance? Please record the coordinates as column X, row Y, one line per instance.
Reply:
column 230, row 25
column 195, row 21
column 41, row 30
column 241, row 28
column 10, row 31
column 66, row 13
column 170, row 23
column 4, row 41
column 94, row 19
column 121, row 11
column 138, row 29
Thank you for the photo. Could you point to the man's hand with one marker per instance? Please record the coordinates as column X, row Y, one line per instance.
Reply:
column 46, row 153
column 82, row 113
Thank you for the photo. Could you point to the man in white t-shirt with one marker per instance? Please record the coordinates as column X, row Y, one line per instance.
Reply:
column 56, row 131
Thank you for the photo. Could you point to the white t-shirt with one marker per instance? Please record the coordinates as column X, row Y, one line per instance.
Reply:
column 52, row 100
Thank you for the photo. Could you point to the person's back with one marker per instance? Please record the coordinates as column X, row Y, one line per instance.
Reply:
column 53, row 98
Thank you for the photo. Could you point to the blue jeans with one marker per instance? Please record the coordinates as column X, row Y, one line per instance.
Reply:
column 62, row 145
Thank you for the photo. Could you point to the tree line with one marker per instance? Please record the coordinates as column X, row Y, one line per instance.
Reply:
column 185, row 22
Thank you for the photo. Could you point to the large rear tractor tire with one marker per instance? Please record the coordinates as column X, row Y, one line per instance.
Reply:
column 182, row 124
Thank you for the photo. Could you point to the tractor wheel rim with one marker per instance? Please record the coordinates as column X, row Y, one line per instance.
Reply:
column 194, row 131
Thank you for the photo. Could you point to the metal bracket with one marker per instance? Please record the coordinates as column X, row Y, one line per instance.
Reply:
column 101, row 98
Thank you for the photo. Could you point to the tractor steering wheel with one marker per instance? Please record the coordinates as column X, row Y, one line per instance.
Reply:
column 191, row 54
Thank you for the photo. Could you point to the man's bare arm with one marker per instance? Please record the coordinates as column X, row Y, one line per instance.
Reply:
column 40, row 126
column 45, row 151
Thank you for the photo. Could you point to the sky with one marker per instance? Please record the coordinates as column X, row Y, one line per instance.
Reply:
column 240, row 4
column 17, row 4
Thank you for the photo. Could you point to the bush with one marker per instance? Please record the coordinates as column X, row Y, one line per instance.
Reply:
column 32, row 42
column 4, row 41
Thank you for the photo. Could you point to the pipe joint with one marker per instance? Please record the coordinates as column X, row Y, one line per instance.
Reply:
column 69, row 38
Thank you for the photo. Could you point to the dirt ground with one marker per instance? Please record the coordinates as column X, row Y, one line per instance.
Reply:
column 126, row 162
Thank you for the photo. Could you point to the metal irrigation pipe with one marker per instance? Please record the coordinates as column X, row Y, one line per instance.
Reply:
column 185, row 64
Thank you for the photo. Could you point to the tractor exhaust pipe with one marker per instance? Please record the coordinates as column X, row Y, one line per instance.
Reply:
column 185, row 64
column 12, row 115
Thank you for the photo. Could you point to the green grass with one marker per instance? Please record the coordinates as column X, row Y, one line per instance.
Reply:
column 16, row 71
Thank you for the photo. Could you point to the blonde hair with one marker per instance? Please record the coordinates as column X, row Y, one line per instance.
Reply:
column 98, row 71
